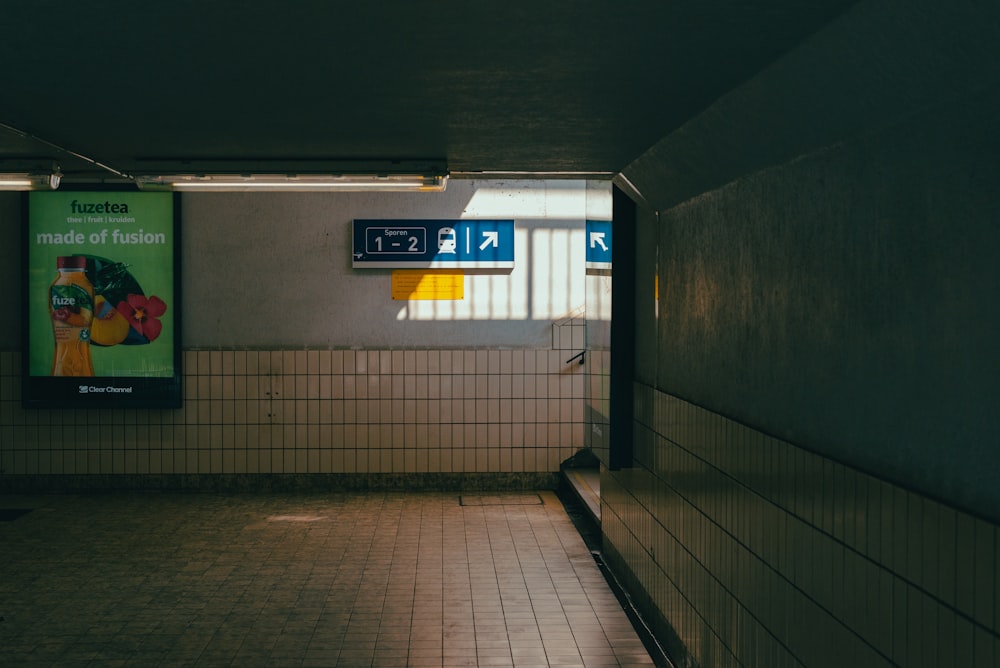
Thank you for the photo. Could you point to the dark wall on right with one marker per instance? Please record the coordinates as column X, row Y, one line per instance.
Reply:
column 829, row 250
column 849, row 302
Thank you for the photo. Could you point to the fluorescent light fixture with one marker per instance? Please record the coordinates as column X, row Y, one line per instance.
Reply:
column 30, row 181
column 292, row 182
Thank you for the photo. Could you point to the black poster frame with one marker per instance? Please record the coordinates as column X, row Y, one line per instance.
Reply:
column 120, row 392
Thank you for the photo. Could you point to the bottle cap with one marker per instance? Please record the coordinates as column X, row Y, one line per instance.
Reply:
column 71, row 262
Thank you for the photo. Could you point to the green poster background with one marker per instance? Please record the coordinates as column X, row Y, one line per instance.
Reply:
column 103, row 224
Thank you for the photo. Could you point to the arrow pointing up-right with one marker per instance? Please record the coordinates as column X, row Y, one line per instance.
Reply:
column 492, row 239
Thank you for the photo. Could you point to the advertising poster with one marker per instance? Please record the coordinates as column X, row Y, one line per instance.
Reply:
column 101, row 299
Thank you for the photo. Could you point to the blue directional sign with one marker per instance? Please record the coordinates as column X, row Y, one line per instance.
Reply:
column 449, row 244
column 598, row 244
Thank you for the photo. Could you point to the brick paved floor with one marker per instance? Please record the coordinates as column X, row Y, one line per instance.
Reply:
column 376, row 579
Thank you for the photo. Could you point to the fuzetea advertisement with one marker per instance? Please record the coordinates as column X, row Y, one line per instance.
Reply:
column 101, row 302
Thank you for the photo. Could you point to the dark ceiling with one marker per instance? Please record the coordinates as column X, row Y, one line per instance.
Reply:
column 519, row 86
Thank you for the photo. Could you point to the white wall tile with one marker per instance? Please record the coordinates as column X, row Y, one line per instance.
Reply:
column 811, row 545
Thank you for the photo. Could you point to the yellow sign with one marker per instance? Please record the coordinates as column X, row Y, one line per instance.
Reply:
column 442, row 284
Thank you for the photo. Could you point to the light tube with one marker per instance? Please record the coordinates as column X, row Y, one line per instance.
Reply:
column 291, row 183
column 29, row 181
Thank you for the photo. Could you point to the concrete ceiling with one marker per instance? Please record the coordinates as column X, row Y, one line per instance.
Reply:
column 520, row 86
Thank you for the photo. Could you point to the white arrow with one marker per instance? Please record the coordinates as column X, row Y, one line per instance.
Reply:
column 597, row 239
column 492, row 239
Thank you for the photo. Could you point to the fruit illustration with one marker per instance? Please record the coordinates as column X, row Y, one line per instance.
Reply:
column 74, row 317
column 109, row 327
column 120, row 293
column 111, row 279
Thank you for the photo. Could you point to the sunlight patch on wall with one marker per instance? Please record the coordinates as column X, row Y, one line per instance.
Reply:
column 546, row 283
column 549, row 263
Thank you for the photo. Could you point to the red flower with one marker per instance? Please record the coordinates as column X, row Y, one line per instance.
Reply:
column 142, row 314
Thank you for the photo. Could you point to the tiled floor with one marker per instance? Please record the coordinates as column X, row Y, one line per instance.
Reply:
column 377, row 579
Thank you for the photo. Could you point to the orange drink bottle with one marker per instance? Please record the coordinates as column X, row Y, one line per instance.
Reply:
column 71, row 307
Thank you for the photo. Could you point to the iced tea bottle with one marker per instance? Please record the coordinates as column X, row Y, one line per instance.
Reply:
column 71, row 306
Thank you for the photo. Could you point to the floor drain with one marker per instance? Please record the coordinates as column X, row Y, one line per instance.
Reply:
column 499, row 500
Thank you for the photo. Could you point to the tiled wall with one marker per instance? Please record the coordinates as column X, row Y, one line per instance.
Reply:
column 598, row 404
column 759, row 553
column 598, row 336
column 319, row 411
